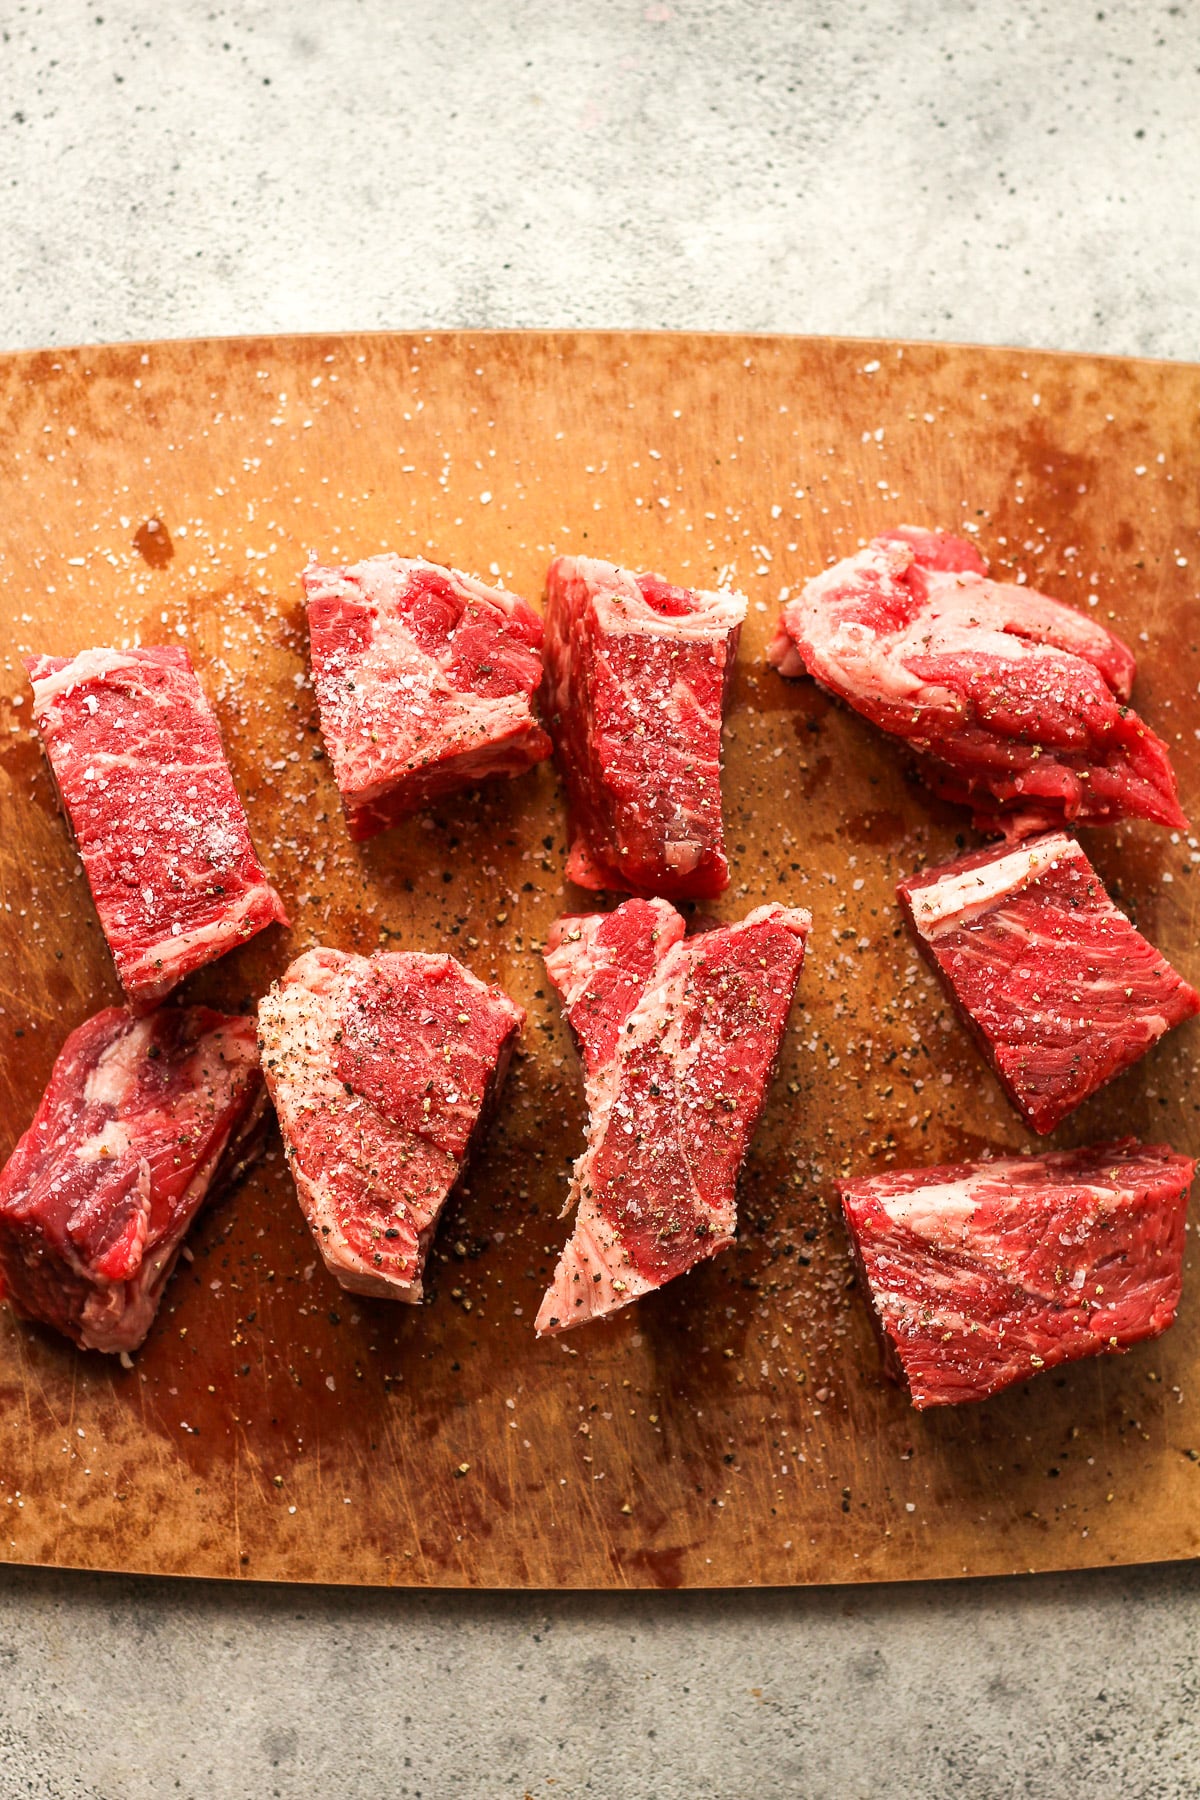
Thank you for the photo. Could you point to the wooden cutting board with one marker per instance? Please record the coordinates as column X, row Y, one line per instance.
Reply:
column 734, row 1429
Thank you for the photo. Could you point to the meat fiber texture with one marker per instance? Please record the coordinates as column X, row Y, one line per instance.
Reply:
column 142, row 777
column 146, row 1117
column 1017, row 704
column 425, row 681
column 637, row 676
column 384, row 1071
column 981, row 1274
column 678, row 1038
column 1058, row 987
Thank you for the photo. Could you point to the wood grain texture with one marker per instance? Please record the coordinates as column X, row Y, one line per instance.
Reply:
column 734, row 1429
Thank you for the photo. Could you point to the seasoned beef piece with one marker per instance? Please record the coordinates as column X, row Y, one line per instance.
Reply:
column 145, row 1118
column 1058, row 987
column 383, row 1070
column 425, row 680
column 137, row 758
column 678, row 1038
column 981, row 1274
column 637, row 675
column 1017, row 705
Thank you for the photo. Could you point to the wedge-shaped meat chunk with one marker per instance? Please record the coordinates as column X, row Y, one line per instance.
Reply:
column 425, row 681
column 145, row 1118
column 678, row 1038
column 1017, row 704
column 1058, row 987
column 981, row 1274
column 384, row 1071
column 637, row 675
column 137, row 759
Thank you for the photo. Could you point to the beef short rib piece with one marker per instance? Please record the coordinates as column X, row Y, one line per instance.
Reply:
column 1057, row 986
column 142, row 777
column 384, row 1071
column 981, row 1274
column 424, row 679
column 637, row 675
column 1017, row 705
column 678, row 1038
column 145, row 1118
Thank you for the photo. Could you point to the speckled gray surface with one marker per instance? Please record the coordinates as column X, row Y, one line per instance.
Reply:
column 1061, row 1686
column 1022, row 174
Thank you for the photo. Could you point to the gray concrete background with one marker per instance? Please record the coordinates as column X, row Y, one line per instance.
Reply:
column 1022, row 174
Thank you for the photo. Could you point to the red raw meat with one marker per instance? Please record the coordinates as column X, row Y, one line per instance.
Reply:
column 981, row 1274
column 637, row 675
column 678, row 1038
column 425, row 680
column 145, row 1118
column 1056, row 984
column 384, row 1071
column 137, row 759
column 1017, row 704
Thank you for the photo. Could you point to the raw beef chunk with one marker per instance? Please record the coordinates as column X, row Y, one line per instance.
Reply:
column 383, row 1070
column 1059, row 988
column 145, row 1118
column 637, row 674
column 983, row 1273
column 1017, row 704
column 137, row 758
column 425, row 679
column 678, row 1037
